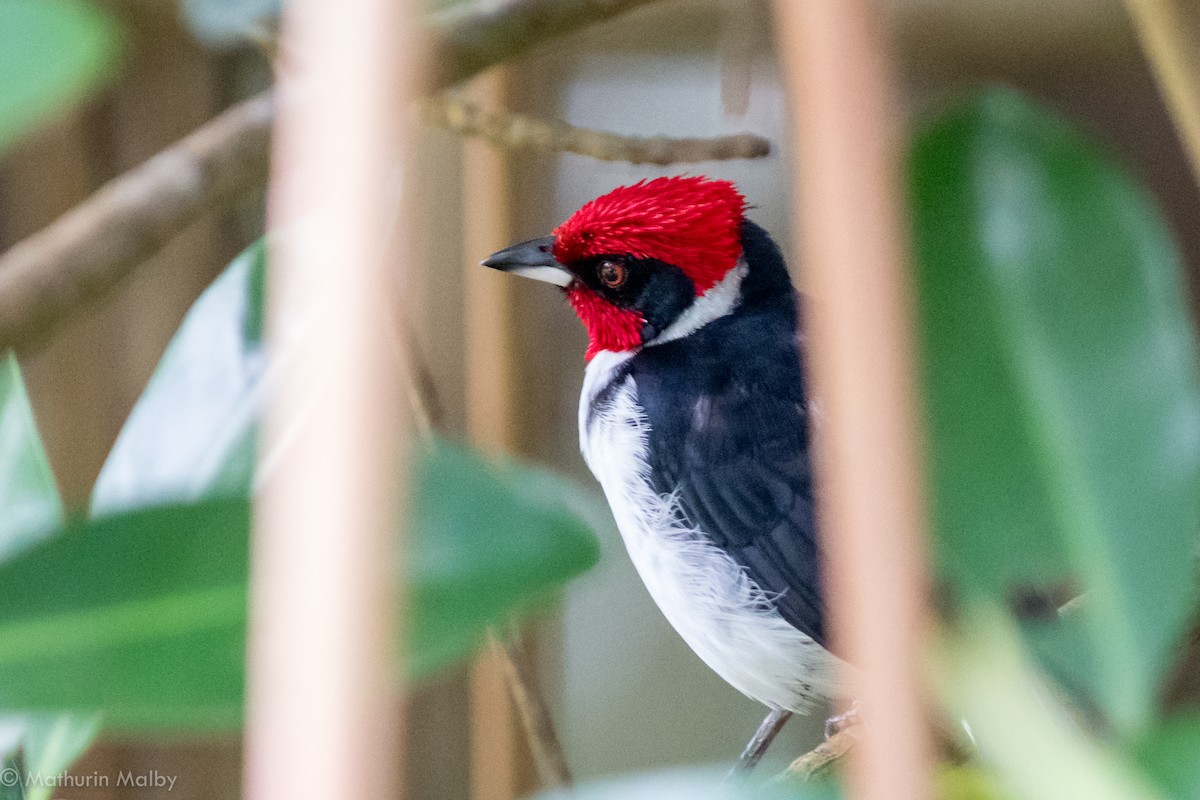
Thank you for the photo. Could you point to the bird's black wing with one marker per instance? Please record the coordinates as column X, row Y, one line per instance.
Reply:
column 729, row 435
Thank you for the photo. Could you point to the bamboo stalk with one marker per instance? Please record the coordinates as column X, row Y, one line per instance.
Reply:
column 499, row 764
column 323, row 695
column 1170, row 34
column 849, row 218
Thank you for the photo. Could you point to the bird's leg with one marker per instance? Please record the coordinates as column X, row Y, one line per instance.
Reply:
column 840, row 722
column 762, row 740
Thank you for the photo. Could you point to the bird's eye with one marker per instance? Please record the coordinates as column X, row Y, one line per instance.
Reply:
column 611, row 274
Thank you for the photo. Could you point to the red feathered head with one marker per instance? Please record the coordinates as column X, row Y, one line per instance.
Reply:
column 693, row 223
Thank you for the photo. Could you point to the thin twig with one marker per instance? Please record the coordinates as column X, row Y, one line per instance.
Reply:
column 520, row 131
column 530, row 702
column 535, row 717
column 474, row 36
column 1170, row 35
column 82, row 257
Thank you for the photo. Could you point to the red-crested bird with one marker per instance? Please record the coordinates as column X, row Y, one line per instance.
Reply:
column 695, row 421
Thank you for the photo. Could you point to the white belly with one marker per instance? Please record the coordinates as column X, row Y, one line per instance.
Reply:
column 703, row 593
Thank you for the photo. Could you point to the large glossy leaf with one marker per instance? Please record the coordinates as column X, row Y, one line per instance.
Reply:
column 30, row 506
column 142, row 614
column 137, row 615
column 51, row 53
column 191, row 434
column 1063, row 409
column 491, row 538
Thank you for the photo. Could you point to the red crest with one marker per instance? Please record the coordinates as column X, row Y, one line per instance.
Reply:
column 691, row 222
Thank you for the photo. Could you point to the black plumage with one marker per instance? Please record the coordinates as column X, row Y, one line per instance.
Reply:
column 729, row 434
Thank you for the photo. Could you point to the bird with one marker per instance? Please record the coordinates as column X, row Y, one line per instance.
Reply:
column 695, row 419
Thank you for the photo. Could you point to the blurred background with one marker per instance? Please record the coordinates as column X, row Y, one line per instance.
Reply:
column 628, row 694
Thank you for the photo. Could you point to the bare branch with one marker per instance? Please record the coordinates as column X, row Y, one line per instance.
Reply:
column 471, row 40
column 535, row 716
column 83, row 255
column 519, row 131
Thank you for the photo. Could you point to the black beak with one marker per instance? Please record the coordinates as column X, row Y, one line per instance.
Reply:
column 533, row 259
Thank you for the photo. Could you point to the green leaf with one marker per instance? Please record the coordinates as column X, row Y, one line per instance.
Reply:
column 32, row 511
column 52, row 52
column 11, row 772
column 28, row 494
column 34, row 749
column 984, row 675
column 1059, row 371
column 192, row 433
column 1170, row 754
column 490, row 538
column 51, row 745
column 141, row 615
column 966, row 782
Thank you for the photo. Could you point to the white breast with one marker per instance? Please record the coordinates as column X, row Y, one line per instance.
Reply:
column 703, row 592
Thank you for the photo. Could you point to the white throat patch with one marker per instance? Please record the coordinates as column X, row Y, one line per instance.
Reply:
column 721, row 299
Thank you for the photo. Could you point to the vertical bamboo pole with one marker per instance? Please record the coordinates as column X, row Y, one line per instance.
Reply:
column 489, row 295
column 1170, row 35
column 849, row 217
column 322, row 692
column 499, row 762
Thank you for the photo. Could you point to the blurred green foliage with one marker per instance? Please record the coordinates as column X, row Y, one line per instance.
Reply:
column 142, row 614
column 1063, row 421
column 1063, row 406
column 52, row 52
column 28, row 494
column 1021, row 726
column 1171, row 756
column 965, row 782
column 51, row 744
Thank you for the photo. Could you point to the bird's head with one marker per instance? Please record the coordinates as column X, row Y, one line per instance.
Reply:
column 644, row 263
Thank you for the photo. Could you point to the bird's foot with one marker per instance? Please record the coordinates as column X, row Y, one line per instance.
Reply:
column 836, row 724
